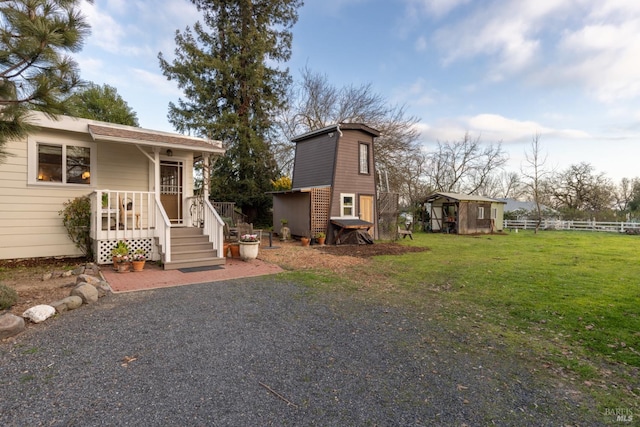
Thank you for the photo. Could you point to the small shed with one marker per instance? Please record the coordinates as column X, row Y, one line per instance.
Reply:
column 464, row 213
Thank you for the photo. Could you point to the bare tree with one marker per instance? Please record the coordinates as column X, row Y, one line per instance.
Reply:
column 624, row 193
column 534, row 173
column 465, row 165
column 579, row 191
column 315, row 103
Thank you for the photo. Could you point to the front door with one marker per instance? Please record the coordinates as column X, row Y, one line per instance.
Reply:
column 171, row 189
column 366, row 211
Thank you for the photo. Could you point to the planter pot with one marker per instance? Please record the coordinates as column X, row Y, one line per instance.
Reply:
column 138, row 265
column 285, row 233
column 225, row 250
column 249, row 250
column 305, row 241
column 321, row 240
column 235, row 251
column 116, row 261
column 123, row 267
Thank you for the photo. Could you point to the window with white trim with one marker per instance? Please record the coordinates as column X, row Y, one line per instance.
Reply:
column 481, row 212
column 60, row 163
column 494, row 213
column 347, row 204
column 363, row 157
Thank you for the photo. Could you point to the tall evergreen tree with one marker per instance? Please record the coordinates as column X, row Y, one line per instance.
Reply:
column 102, row 103
column 35, row 69
column 232, row 91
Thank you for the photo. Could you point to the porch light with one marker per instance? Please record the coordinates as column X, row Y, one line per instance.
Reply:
column 169, row 152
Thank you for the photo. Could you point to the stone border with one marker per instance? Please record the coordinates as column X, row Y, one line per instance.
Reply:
column 90, row 286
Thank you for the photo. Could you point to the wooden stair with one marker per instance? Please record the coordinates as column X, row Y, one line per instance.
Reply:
column 190, row 247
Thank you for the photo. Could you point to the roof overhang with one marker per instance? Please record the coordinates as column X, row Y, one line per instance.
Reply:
column 154, row 139
column 335, row 128
column 458, row 197
column 112, row 132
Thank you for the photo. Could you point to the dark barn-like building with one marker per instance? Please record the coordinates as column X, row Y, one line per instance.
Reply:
column 333, row 186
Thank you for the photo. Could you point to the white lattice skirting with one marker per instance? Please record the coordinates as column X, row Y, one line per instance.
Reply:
column 103, row 249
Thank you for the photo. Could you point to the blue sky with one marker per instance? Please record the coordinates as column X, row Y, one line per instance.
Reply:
column 503, row 70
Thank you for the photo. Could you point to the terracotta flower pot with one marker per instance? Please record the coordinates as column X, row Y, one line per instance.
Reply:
column 225, row 250
column 235, row 251
column 321, row 240
column 123, row 267
column 305, row 241
column 138, row 265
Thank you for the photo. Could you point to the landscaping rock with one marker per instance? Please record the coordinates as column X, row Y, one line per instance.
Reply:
column 103, row 288
column 86, row 278
column 39, row 313
column 87, row 292
column 47, row 276
column 10, row 325
column 68, row 303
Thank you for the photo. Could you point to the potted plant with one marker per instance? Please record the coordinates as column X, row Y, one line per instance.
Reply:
column 320, row 237
column 124, row 264
column 285, row 232
column 138, row 260
column 306, row 240
column 249, row 245
column 119, row 251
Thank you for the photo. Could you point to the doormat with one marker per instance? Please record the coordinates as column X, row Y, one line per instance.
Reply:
column 196, row 269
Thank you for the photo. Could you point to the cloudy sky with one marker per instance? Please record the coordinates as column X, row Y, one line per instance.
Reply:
column 503, row 70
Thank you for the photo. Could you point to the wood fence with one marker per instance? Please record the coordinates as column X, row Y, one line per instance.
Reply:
column 552, row 224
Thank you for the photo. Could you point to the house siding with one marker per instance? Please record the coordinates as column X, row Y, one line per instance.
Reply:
column 347, row 179
column 296, row 209
column 30, row 225
column 314, row 162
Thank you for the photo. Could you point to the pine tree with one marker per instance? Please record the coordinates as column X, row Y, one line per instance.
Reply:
column 231, row 94
column 35, row 70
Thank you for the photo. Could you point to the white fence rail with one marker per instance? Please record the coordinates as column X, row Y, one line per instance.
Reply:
column 551, row 224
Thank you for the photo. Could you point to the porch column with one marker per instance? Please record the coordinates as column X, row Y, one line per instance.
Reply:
column 156, row 171
column 206, row 175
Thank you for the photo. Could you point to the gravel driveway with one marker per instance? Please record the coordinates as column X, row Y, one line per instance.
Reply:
column 259, row 352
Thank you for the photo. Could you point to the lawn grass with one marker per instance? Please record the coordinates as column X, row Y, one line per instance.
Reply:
column 581, row 286
column 569, row 301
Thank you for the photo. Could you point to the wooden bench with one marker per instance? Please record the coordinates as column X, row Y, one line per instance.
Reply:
column 405, row 233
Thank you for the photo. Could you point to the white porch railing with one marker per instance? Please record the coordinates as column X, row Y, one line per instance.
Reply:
column 163, row 230
column 553, row 224
column 121, row 215
column 139, row 218
column 213, row 226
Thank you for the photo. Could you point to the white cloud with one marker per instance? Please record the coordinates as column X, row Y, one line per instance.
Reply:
column 421, row 44
column 435, row 8
column 156, row 83
column 493, row 128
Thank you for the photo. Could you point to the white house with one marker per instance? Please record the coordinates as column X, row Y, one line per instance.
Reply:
column 140, row 183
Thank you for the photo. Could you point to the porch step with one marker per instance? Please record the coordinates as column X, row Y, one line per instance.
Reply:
column 205, row 262
column 190, row 247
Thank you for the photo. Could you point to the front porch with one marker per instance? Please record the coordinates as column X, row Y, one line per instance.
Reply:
column 192, row 237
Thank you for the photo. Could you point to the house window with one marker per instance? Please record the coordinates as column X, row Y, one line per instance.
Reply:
column 61, row 163
column 347, row 204
column 494, row 213
column 481, row 212
column 364, row 158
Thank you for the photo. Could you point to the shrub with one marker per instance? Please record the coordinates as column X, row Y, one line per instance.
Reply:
column 76, row 217
column 8, row 297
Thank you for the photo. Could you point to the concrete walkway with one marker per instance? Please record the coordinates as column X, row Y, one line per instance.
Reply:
column 154, row 277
